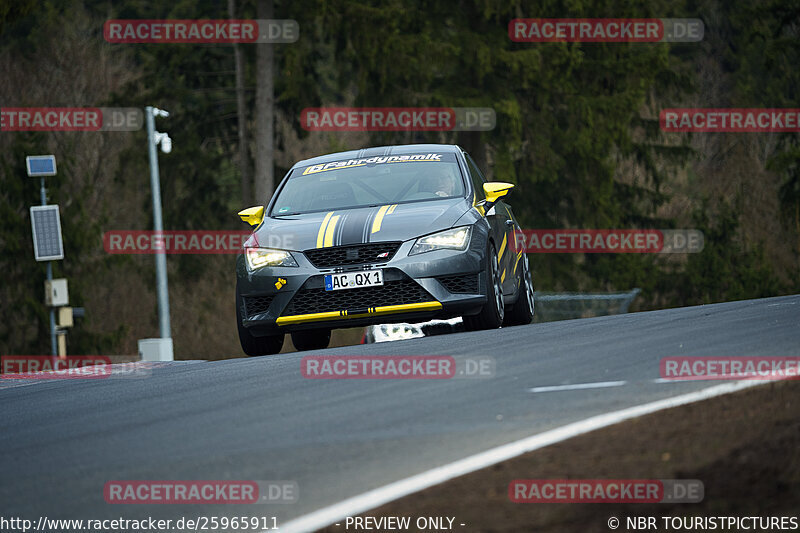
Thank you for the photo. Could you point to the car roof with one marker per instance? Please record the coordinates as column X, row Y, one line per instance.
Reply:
column 379, row 151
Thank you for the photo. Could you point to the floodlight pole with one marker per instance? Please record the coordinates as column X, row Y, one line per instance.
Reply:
column 158, row 225
column 53, row 348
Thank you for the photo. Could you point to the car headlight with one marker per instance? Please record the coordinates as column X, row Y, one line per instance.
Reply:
column 451, row 239
column 263, row 257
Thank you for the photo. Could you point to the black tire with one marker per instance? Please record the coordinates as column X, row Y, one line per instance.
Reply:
column 311, row 339
column 521, row 312
column 252, row 345
column 492, row 313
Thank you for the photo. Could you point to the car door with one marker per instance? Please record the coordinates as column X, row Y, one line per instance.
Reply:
column 502, row 226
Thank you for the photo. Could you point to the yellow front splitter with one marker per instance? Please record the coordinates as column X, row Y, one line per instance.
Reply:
column 373, row 311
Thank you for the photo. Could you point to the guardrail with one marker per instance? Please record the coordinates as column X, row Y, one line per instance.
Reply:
column 552, row 306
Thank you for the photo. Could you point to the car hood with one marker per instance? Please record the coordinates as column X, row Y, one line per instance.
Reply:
column 398, row 222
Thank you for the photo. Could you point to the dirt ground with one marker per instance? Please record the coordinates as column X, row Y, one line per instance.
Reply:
column 744, row 447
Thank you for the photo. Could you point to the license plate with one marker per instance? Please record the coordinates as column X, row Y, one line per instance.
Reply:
column 353, row 280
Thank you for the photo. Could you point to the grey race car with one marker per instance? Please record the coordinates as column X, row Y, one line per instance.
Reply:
column 389, row 234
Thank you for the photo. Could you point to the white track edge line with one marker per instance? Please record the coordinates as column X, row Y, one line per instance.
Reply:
column 579, row 386
column 374, row 498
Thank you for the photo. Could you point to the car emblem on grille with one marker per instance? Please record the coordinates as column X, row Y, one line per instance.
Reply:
column 352, row 253
column 383, row 255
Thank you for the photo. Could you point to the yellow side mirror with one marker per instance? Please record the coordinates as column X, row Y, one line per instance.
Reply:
column 495, row 190
column 252, row 215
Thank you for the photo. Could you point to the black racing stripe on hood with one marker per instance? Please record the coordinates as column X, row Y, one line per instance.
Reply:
column 371, row 214
column 337, row 235
column 353, row 227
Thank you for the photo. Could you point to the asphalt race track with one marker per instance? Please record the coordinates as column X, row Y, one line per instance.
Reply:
column 259, row 419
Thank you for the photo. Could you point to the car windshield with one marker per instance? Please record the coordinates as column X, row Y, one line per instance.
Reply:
column 351, row 183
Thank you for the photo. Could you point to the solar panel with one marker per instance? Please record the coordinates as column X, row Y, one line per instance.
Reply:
column 46, row 228
column 41, row 165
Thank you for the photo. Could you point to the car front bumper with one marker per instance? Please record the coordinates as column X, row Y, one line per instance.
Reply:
column 437, row 284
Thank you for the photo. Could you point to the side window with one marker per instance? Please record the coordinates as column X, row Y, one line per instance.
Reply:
column 477, row 178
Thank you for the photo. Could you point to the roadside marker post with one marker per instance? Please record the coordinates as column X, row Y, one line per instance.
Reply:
column 46, row 228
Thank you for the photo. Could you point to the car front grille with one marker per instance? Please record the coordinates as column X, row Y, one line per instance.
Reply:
column 254, row 305
column 318, row 300
column 460, row 284
column 357, row 254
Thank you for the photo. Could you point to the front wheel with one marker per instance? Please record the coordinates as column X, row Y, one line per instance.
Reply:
column 252, row 345
column 311, row 339
column 521, row 312
column 493, row 311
